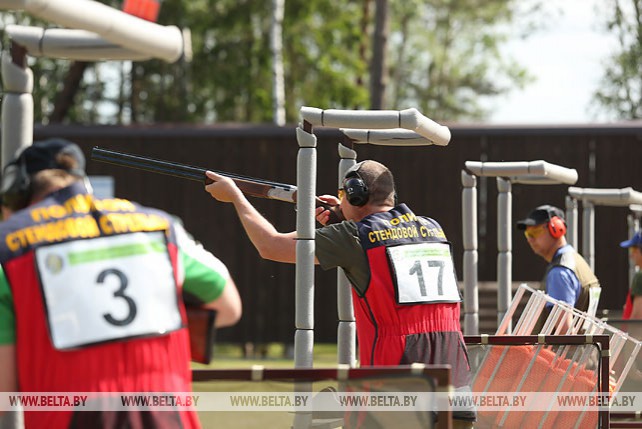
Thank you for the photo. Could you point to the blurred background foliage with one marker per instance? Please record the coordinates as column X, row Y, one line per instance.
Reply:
column 443, row 57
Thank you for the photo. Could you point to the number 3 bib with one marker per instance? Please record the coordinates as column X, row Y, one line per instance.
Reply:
column 423, row 273
column 108, row 288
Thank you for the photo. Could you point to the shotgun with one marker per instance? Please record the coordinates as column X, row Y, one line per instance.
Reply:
column 248, row 185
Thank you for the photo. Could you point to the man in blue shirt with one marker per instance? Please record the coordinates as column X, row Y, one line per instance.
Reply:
column 633, row 304
column 568, row 276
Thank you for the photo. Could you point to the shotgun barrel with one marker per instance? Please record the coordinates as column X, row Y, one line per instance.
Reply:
column 248, row 185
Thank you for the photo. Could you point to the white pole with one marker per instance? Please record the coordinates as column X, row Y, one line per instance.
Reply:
column 504, row 248
column 346, row 331
column 66, row 43
column 588, row 232
column 305, row 227
column 571, row 221
column 276, row 43
column 471, row 258
column 17, row 107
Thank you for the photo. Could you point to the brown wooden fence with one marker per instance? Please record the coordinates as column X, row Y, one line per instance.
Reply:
column 428, row 179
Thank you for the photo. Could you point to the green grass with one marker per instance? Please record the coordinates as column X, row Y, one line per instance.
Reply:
column 230, row 356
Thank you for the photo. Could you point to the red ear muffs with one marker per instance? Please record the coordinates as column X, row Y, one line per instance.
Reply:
column 556, row 227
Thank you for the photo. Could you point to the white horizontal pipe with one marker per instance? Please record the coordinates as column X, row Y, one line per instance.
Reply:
column 607, row 197
column 409, row 119
column 120, row 28
column 539, row 171
column 394, row 137
column 78, row 45
column 636, row 208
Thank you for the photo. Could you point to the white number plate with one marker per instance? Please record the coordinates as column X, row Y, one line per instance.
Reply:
column 423, row 273
column 108, row 288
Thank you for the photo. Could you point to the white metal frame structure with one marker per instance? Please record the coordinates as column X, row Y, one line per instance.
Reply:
column 98, row 32
column 591, row 197
column 523, row 172
column 119, row 28
column 383, row 127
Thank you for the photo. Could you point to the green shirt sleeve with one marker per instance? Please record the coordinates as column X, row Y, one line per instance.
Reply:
column 7, row 314
column 636, row 284
column 204, row 276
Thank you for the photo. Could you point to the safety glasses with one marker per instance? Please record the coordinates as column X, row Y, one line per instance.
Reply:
column 534, row 231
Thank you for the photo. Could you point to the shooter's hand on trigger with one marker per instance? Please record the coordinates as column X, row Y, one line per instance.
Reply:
column 222, row 188
column 323, row 214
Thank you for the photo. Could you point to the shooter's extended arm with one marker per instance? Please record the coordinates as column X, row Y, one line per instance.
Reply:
column 248, row 185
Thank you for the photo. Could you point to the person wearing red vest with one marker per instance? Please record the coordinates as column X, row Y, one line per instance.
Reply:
column 633, row 304
column 633, row 308
column 92, row 295
column 400, row 265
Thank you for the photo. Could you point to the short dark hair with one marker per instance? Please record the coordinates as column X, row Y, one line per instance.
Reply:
column 380, row 182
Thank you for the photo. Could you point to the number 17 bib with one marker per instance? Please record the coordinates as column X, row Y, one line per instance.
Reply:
column 423, row 273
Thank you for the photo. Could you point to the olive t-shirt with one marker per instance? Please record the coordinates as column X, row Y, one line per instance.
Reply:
column 338, row 245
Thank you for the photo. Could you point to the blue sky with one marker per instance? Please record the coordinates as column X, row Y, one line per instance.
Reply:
column 566, row 58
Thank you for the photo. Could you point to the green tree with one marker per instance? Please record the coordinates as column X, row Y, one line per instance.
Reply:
column 620, row 92
column 65, row 90
column 447, row 56
column 443, row 57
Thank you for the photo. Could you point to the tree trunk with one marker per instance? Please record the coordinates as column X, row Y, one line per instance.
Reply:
column 65, row 98
column 363, row 46
column 378, row 68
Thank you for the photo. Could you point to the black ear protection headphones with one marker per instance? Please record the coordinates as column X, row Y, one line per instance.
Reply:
column 16, row 189
column 356, row 189
column 556, row 226
column 16, row 185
